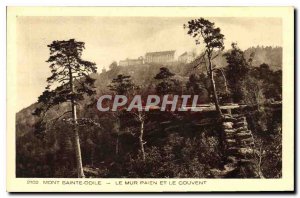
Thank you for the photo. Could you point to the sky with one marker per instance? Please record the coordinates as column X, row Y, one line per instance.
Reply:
column 109, row 39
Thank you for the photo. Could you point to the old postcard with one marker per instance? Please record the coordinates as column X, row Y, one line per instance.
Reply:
column 150, row 99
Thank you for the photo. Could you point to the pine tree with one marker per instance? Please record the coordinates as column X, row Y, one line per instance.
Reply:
column 121, row 85
column 71, row 75
column 166, row 84
column 237, row 69
column 202, row 29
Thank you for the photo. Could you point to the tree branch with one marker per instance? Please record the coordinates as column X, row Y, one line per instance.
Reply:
column 60, row 116
column 214, row 57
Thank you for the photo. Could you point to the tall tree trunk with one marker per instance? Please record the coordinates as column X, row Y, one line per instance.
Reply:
column 93, row 155
column 141, row 140
column 76, row 140
column 117, row 145
column 213, row 84
column 225, row 81
column 260, row 174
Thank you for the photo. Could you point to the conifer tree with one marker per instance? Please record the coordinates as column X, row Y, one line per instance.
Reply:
column 205, row 32
column 69, row 82
column 237, row 69
column 166, row 84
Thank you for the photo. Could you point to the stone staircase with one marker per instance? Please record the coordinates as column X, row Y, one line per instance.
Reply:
column 238, row 149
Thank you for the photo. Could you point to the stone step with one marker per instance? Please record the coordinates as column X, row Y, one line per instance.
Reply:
column 229, row 167
column 229, row 131
column 228, row 119
column 242, row 135
column 246, row 131
column 227, row 125
column 241, row 129
column 240, row 124
column 247, row 140
column 247, row 144
column 232, row 159
column 230, row 140
column 232, row 150
column 240, row 149
column 238, row 115
column 244, row 156
column 245, row 151
column 229, row 135
column 217, row 173
column 241, row 119
column 246, row 161
column 238, row 143
column 231, row 144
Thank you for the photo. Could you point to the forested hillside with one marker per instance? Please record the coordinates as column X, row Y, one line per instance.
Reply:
column 176, row 146
column 238, row 135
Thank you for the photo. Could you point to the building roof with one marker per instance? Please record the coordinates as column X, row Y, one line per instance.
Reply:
column 129, row 59
column 184, row 54
column 172, row 52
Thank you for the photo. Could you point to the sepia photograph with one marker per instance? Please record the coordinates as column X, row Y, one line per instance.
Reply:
column 188, row 96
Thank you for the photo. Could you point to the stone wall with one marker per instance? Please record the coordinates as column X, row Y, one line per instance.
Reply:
column 238, row 149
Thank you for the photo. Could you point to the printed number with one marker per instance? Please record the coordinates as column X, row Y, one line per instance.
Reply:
column 32, row 182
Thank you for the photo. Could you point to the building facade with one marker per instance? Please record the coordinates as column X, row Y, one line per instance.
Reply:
column 160, row 57
column 186, row 57
column 130, row 62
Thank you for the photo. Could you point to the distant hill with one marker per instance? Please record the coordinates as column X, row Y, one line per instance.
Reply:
column 25, row 120
column 269, row 55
